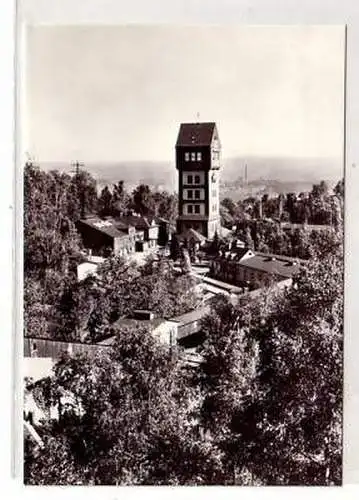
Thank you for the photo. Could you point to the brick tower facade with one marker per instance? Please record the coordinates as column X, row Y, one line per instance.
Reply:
column 198, row 161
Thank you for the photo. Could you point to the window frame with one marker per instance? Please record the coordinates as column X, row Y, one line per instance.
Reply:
column 197, row 192
column 189, row 179
column 197, row 209
column 199, row 155
column 190, row 209
column 190, row 194
column 193, row 156
column 195, row 179
column 215, row 155
column 186, row 156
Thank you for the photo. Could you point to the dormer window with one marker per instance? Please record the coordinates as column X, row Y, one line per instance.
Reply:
column 199, row 156
column 193, row 156
column 186, row 156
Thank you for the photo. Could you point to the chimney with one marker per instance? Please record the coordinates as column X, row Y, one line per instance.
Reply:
column 143, row 315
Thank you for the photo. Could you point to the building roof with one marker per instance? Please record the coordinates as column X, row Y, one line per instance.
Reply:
column 196, row 134
column 133, row 322
column 278, row 265
column 104, row 226
column 221, row 285
column 191, row 316
column 237, row 253
column 137, row 221
column 192, row 234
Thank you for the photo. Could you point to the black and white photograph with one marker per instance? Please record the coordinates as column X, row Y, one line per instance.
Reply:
column 183, row 261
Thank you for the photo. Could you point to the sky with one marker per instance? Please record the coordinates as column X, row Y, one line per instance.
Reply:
column 119, row 93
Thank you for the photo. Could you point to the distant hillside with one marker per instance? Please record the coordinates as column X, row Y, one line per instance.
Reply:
column 283, row 169
column 163, row 175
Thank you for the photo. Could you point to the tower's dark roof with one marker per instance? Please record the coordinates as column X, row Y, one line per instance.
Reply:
column 195, row 134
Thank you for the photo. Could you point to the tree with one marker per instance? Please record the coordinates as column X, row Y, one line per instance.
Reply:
column 282, row 420
column 320, row 190
column 142, row 200
column 230, row 364
column 229, row 204
column 120, row 199
column 51, row 240
column 248, row 238
column 175, row 250
column 105, row 202
column 166, row 205
column 339, row 189
column 129, row 420
column 215, row 244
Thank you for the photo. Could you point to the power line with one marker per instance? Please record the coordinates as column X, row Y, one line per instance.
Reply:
column 80, row 186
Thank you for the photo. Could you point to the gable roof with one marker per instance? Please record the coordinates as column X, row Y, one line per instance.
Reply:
column 137, row 221
column 236, row 253
column 195, row 315
column 278, row 266
column 196, row 134
column 103, row 226
column 192, row 235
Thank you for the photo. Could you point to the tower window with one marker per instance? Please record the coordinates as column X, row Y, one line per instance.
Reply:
column 186, row 156
column 190, row 179
column 199, row 156
column 197, row 194
column 197, row 179
column 190, row 209
column 215, row 155
column 197, row 209
column 190, row 193
column 193, row 156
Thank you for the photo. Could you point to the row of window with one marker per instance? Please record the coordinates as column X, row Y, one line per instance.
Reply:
column 193, row 209
column 197, row 156
column 193, row 156
column 195, row 178
column 196, row 192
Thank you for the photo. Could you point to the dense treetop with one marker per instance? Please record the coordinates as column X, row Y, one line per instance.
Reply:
column 265, row 405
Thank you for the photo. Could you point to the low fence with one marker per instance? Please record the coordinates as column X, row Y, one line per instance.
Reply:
column 47, row 348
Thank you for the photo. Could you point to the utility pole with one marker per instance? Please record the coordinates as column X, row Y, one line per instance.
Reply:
column 80, row 188
column 77, row 166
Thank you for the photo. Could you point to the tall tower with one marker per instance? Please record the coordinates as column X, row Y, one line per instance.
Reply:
column 198, row 162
